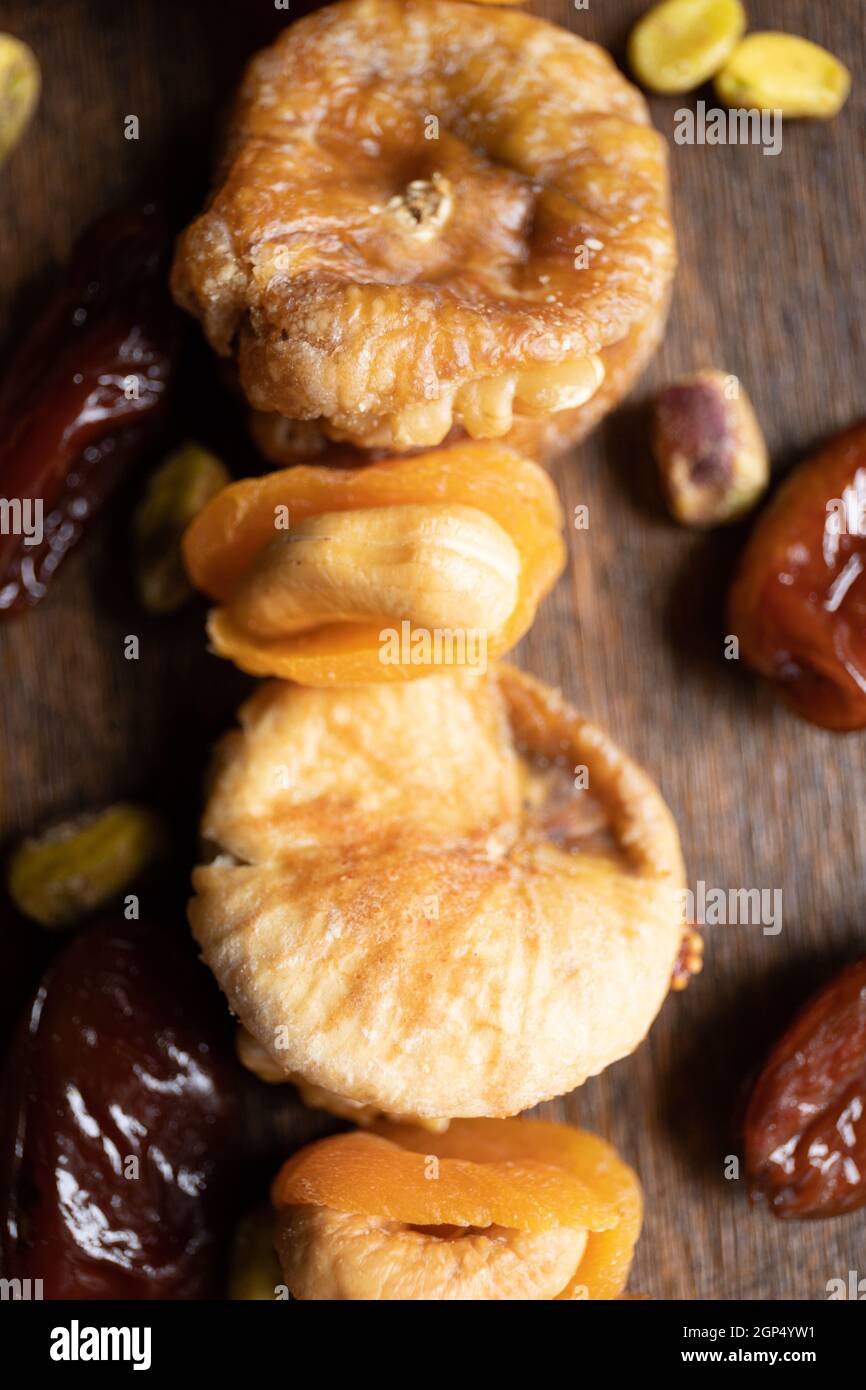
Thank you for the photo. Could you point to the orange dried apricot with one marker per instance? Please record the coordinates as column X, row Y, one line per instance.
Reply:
column 490, row 1209
column 432, row 217
column 385, row 572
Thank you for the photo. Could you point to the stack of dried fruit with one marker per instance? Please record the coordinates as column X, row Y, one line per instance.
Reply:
column 412, row 906
column 502, row 278
column 407, row 887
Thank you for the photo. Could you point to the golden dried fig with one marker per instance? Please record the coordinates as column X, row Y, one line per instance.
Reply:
column 432, row 217
column 449, row 896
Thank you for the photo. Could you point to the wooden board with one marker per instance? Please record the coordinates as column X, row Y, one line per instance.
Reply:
column 771, row 287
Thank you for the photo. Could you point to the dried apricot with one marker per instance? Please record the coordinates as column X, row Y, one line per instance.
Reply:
column 412, row 905
column 679, row 44
column 491, row 1210
column 335, row 576
column 781, row 72
column 432, row 217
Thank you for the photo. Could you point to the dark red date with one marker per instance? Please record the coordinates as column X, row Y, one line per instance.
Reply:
column 798, row 603
column 119, row 1141
column 805, row 1127
column 83, row 396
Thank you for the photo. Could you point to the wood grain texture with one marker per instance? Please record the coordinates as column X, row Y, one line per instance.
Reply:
column 771, row 286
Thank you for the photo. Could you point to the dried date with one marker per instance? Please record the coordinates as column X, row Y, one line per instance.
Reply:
column 119, row 1138
column 83, row 396
column 805, row 1126
column 798, row 602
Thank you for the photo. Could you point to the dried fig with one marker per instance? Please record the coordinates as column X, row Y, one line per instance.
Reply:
column 414, row 908
column 432, row 217
column 805, row 1127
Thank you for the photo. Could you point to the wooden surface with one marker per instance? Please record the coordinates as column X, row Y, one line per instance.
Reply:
column 771, row 287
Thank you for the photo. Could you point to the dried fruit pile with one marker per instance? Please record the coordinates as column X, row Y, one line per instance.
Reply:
column 432, row 893
column 429, row 222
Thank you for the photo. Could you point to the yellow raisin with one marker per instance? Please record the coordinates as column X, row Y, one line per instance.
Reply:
column 19, row 90
column 781, row 72
column 254, row 1271
column 679, row 44
column 176, row 492
column 77, row 866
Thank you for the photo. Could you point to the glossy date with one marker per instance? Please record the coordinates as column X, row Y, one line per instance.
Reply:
column 798, row 603
column 119, row 1140
column 805, row 1127
column 82, row 396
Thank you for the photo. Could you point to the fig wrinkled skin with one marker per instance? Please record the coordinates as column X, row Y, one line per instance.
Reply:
column 117, row 1148
column 798, row 602
column 432, row 221
column 805, row 1126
